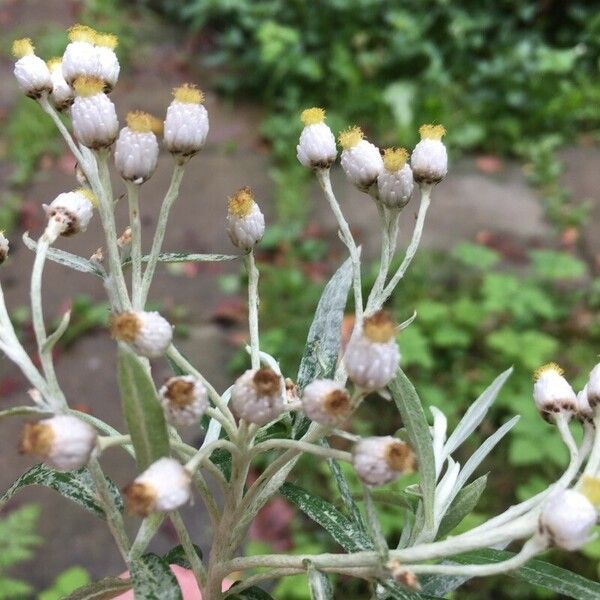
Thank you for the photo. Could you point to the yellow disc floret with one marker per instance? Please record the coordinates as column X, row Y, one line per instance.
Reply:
column 546, row 368
column 241, row 203
column 88, row 85
column 432, row 132
column 89, row 195
column 82, row 33
column 312, row 116
column 107, row 40
column 143, row 122
column 379, row 327
column 394, row 159
column 54, row 63
column 350, row 137
column 22, row 47
column 188, row 93
column 590, row 488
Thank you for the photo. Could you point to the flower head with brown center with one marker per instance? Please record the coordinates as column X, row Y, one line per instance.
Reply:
column 399, row 457
column 266, row 381
column 241, row 203
column 379, row 327
column 125, row 327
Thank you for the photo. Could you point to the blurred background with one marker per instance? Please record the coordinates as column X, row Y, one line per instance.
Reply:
column 509, row 274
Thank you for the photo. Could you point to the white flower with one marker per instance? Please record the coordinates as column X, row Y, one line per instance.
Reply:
column 62, row 95
column 73, row 209
column 163, row 486
column 107, row 63
column 372, row 356
column 584, row 411
column 186, row 123
column 379, row 460
column 361, row 160
column 258, row 396
column 4, row 246
column 184, row 400
column 316, row 148
column 395, row 182
column 93, row 114
column 429, row 159
column 552, row 393
column 136, row 150
column 245, row 221
column 568, row 519
column 149, row 333
column 31, row 72
column 326, row 402
column 63, row 442
column 593, row 387
column 80, row 58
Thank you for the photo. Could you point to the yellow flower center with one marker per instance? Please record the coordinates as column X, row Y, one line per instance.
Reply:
column 139, row 498
column 241, row 203
column 125, row 327
column 432, row 132
column 143, row 122
column 349, row 138
column 188, row 93
column 546, row 369
column 379, row 328
column 590, row 488
column 394, row 159
column 312, row 116
column 36, row 438
column 82, row 33
column 54, row 63
column 22, row 47
column 88, row 86
column 89, row 195
column 106, row 40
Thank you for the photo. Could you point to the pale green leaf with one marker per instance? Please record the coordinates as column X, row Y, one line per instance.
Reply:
column 105, row 589
column 462, row 505
column 179, row 257
column 153, row 579
column 319, row 584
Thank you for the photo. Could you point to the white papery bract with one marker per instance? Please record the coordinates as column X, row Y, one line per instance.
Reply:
column 326, row 401
column 361, row 160
column 245, row 221
column 258, row 396
column 316, row 148
column 395, row 182
column 74, row 209
column 184, row 400
column 429, row 159
column 593, row 387
column 552, row 393
column 107, row 63
column 62, row 95
column 63, row 442
column 584, row 410
column 186, row 124
column 379, row 460
column 80, row 58
column 4, row 247
column 149, row 333
column 31, row 72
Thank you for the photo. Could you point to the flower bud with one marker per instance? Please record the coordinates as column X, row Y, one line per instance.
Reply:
column 395, row 182
column 163, row 486
column 184, row 400
column 94, row 117
column 593, row 387
column 361, row 160
column 107, row 63
column 429, row 159
column 379, row 460
column 73, row 209
column 567, row 519
column 62, row 95
column 148, row 333
column 258, row 396
column 245, row 221
column 136, row 150
column 316, row 148
column 326, row 402
column 552, row 393
column 63, row 442
column 186, row 123
column 372, row 356
column 80, row 58
column 4, row 246
column 584, row 413
column 31, row 72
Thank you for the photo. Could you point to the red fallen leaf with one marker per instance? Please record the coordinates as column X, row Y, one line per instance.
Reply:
column 83, row 407
column 489, row 163
column 230, row 311
column 569, row 236
column 313, row 230
column 508, row 247
column 9, row 385
column 191, row 269
column 272, row 524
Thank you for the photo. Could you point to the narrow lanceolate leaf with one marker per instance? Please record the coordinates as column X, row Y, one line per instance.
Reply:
column 462, row 505
column 538, row 572
column 142, row 409
column 413, row 417
column 324, row 336
column 319, row 584
column 105, row 589
column 179, row 257
column 72, row 261
column 252, row 593
column 77, row 486
column 20, row 411
column 153, row 579
column 55, row 336
column 346, row 533
column 475, row 414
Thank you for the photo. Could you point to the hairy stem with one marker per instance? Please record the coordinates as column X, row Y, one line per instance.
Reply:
column 253, row 301
column 135, row 222
column 188, row 547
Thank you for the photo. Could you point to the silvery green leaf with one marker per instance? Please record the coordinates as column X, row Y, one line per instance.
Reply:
column 411, row 410
column 252, row 593
column 153, row 579
column 105, row 589
column 142, row 409
column 444, row 492
column 179, row 257
column 77, row 486
column 53, row 338
column 77, row 263
column 177, row 556
column 341, row 529
column 476, row 413
column 479, row 455
column 213, row 431
column 319, row 584
column 462, row 505
column 19, row 411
